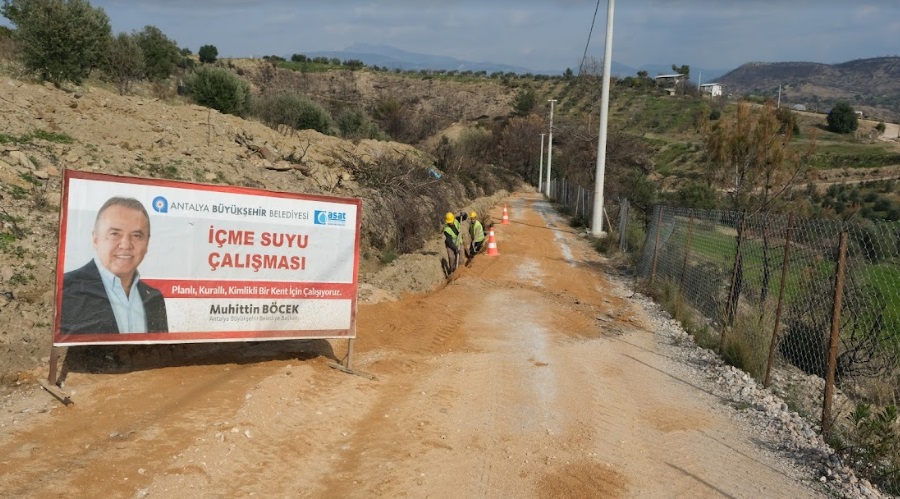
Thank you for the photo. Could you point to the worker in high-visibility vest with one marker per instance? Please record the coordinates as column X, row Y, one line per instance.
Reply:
column 452, row 241
column 476, row 235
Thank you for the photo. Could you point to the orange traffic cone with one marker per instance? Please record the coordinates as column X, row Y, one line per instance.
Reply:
column 492, row 244
column 505, row 216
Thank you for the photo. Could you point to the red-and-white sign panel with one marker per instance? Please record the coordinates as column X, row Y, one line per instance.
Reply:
column 159, row 261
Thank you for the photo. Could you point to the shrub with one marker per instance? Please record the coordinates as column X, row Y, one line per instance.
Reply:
column 354, row 64
column 747, row 345
column 842, row 118
column 294, row 111
column 219, row 89
column 61, row 40
column 875, row 444
column 525, row 102
column 356, row 124
column 208, row 54
column 788, row 121
column 695, row 195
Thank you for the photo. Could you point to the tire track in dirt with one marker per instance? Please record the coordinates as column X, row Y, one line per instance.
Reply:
column 638, row 430
column 274, row 438
column 99, row 445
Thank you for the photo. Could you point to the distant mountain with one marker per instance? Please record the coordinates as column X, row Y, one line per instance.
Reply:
column 870, row 85
column 390, row 57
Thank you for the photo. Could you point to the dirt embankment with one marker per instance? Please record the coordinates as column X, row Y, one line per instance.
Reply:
column 45, row 130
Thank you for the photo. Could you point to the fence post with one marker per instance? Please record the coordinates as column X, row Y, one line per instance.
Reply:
column 784, row 269
column 835, row 334
column 577, row 198
column 656, row 244
column 687, row 253
column 731, row 308
column 623, row 222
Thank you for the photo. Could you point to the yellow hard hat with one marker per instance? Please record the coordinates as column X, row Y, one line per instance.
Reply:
column 473, row 215
column 449, row 218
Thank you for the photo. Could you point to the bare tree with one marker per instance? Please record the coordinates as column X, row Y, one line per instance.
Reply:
column 519, row 145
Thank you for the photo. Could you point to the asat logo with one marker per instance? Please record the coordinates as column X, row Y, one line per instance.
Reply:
column 322, row 217
column 160, row 204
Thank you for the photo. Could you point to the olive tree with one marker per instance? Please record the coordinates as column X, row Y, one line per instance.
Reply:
column 219, row 89
column 124, row 62
column 208, row 54
column 161, row 54
column 60, row 40
column 842, row 118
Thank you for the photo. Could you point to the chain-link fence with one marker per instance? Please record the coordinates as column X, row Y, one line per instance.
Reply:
column 621, row 220
column 578, row 200
column 817, row 299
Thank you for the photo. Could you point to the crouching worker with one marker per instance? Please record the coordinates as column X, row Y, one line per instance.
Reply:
column 476, row 232
column 452, row 240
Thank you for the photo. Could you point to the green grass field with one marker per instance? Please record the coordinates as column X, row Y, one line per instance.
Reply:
column 810, row 275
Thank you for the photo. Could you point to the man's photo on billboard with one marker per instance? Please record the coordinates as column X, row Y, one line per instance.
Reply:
column 106, row 295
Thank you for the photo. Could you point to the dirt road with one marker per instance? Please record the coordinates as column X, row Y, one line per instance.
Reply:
column 530, row 374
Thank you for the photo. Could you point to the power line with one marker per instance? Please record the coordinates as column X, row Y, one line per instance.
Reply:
column 591, row 32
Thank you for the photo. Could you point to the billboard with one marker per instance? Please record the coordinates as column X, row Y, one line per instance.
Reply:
column 159, row 261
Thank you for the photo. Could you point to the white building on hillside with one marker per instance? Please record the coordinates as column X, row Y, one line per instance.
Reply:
column 669, row 82
column 713, row 89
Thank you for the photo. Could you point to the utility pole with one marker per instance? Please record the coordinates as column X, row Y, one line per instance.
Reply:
column 541, row 169
column 779, row 98
column 550, row 147
column 597, row 218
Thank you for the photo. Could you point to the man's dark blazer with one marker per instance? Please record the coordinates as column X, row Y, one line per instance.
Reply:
column 86, row 308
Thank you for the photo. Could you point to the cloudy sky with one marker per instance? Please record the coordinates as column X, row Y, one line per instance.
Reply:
column 539, row 35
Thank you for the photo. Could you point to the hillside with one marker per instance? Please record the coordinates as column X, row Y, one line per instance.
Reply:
column 414, row 107
column 47, row 130
column 870, row 85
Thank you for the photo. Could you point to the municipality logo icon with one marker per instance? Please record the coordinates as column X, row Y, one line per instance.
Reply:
column 322, row 217
column 160, row 204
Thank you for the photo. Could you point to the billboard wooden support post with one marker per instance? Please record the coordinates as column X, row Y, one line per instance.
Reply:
column 349, row 363
column 50, row 384
column 346, row 364
column 54, row 361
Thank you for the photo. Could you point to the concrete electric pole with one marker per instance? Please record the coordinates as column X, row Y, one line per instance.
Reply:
column 550, row 147
column 597, row 218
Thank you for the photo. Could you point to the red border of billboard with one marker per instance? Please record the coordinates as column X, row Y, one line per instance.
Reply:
column 197, row 337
